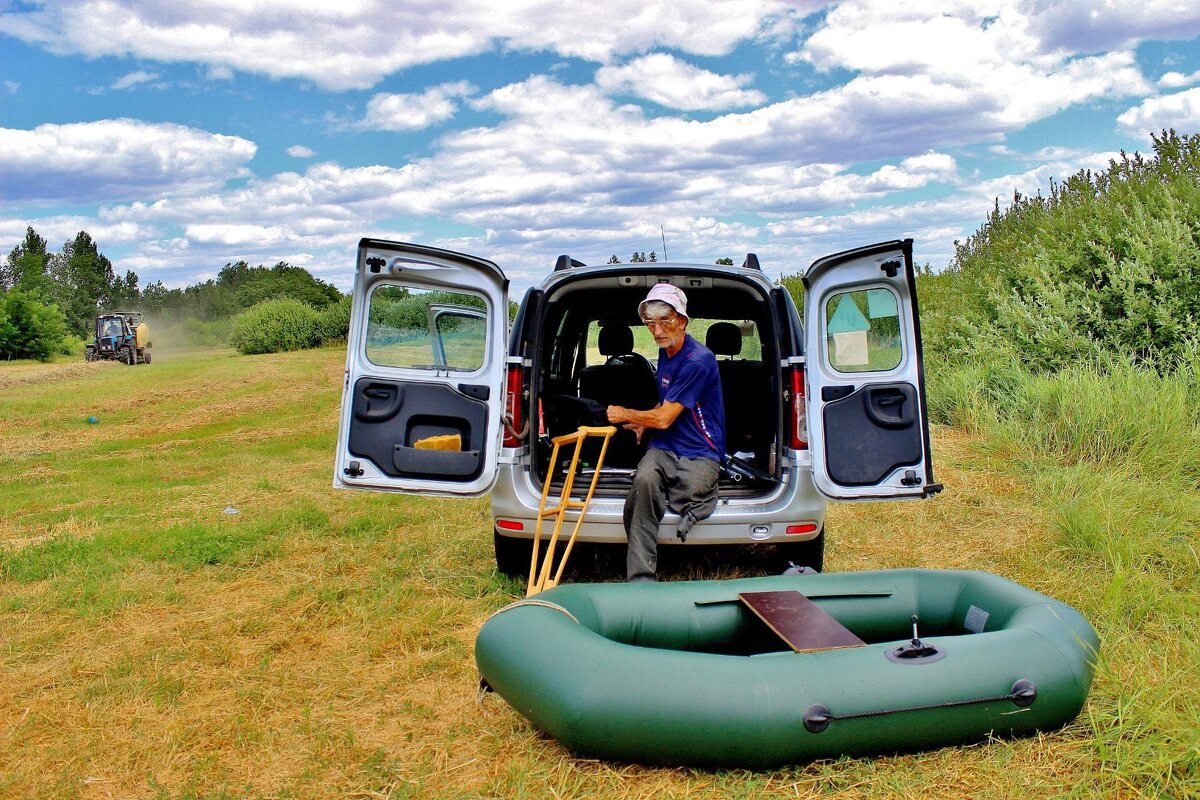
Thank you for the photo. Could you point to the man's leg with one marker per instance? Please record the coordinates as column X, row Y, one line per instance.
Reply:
column 644, row 509
column 693, row 492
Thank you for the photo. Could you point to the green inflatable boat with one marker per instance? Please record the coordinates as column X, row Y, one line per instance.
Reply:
column 690, row 673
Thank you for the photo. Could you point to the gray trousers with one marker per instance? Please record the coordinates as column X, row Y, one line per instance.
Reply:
column 687, row 485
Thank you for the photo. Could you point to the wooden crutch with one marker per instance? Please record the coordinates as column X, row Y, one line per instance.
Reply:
column 539, row 581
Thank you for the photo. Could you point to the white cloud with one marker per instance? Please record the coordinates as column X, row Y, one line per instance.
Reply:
column 1177, row 80
column 592, row 185
column 11, row 87
column 132, row 79
column 218, row 73
column 354, row 44
column 666, row 80
column 996, row 67
column 1180, row 111
column 567, row 165
column 113, row 160
column 1089, row 26
column 231, row 234
column 413, row 112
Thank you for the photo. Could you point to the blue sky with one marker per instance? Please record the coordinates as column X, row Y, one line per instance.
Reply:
column 186, row 135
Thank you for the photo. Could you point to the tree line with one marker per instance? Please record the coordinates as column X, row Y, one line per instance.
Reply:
column 48, row 299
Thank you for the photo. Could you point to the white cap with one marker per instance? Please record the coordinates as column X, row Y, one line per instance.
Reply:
column 669, row 294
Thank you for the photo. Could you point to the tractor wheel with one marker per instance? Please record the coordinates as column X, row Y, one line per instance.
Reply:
column 128, row 356
column 145, row 356
column 89, row 354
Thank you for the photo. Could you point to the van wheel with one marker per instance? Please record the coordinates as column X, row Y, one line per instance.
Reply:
column 806, row 554
column 513, row 555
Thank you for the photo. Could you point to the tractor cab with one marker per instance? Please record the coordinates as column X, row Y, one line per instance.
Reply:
column 121, row 335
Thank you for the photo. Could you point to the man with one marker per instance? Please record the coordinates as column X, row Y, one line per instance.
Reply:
column 682, row 464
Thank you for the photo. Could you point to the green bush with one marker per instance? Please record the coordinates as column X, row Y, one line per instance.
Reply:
column 334, row 321
column 273, row 326
column 29, row 328
column 1107, row 263
column 71, row 346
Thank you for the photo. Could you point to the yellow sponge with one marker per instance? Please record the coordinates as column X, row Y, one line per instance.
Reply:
column 449, row 441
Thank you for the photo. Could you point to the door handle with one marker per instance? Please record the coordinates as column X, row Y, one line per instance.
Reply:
column 890, row 406
column 378, row 401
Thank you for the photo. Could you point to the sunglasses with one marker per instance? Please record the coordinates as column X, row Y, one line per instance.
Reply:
column 670, row 322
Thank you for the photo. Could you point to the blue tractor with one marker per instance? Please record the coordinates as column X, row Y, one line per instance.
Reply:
column 120, row 335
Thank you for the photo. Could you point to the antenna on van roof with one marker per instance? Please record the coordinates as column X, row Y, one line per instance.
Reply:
column 664, row 241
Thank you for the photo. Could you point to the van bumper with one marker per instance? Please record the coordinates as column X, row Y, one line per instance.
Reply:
column 736, row 520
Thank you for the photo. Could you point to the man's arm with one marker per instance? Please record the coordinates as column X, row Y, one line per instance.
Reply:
column 658, row 418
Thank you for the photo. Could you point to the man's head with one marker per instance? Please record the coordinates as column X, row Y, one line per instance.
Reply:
column 664, row 312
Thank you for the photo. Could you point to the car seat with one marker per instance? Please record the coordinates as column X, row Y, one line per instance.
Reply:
column 624, row 379
column 745, row 390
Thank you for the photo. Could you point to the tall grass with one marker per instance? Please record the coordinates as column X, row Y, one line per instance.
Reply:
column 1112, row 414
column 1111, row 451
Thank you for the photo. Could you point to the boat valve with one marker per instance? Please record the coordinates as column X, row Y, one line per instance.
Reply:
column 916, row 651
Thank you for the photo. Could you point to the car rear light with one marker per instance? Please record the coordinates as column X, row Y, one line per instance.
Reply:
column 514, row 418
column 797, row 414
column 805, row 527
column 510, row 525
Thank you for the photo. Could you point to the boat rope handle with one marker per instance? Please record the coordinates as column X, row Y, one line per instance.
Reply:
column 817, row 716
column 529, row 601
column 484, row 687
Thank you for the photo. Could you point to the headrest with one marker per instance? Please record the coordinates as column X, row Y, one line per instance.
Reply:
column 615, row 340
column 724, row 339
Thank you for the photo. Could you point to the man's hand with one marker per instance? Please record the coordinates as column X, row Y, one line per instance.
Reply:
column 621, row 416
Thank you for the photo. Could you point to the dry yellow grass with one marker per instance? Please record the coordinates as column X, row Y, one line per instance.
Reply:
column 335, row 662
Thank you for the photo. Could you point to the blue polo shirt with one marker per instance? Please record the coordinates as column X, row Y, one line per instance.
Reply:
column 690, row 378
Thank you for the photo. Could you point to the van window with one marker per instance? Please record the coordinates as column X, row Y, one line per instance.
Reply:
column 751, row 340
column 643, row 342
column 862, row 331
column 417, row 328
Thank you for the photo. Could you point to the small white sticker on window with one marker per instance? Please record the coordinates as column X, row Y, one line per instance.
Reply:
column 976, row 619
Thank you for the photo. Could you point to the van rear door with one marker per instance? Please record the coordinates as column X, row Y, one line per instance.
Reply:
column 868, row 427
column 423, row 391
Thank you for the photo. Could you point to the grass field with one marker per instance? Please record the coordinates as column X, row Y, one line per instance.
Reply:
column 317, row 644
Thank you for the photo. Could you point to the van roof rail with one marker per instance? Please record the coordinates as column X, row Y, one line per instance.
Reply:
column 566, row 262
column 751, row 262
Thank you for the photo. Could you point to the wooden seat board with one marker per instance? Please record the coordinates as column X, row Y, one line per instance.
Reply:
column 800, row 622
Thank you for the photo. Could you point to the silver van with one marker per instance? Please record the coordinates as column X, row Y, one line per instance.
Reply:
column 450, row 390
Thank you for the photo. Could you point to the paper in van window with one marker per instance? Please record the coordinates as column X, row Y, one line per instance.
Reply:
column 881, row 303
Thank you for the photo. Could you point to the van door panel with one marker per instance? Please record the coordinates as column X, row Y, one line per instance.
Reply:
column 888, row 436
column 868, row 428
column 390, row 420
column 425, row 365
